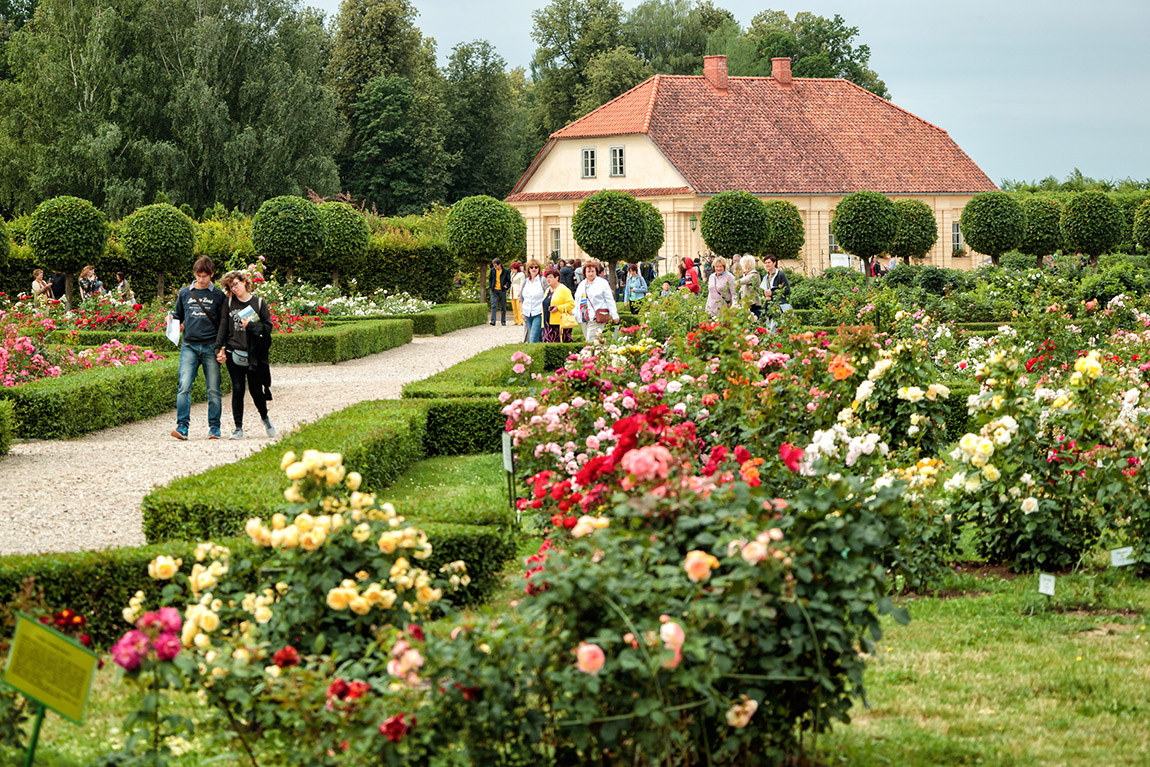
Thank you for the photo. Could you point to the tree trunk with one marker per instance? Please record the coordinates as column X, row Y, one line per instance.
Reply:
column 68, row 291
column 160, row 285
column 482, row 287
column 335, row 278
column 866, row 270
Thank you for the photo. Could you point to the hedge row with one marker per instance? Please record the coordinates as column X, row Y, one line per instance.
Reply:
column 7, row 426
column 436, row 321
column 79, row 403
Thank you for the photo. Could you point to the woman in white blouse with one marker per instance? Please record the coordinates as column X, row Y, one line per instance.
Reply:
column 531, row 301
column 594, row 302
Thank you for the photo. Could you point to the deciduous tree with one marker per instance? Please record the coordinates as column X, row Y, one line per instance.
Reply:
column 482, row 113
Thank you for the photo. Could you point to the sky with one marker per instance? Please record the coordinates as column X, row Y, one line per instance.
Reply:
column 1028, row 88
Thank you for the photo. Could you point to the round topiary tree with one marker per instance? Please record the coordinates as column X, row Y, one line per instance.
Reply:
column 155, row 238
column 1142, row 225
column 345, row 238
column 479, row 229
column 67, row 233
column 287, row 231
column 734, row 223
column 917, row 230
column 654, row 232
column 785, row 231
column 518, row 247
column 608, row 225
column 1042, row 233
column 1092, row 224
column 992, row 223
column 864, row 224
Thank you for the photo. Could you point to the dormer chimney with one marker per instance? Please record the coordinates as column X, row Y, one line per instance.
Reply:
column 715, row 70
column 781, row 70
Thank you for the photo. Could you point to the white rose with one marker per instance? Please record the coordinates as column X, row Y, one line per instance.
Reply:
column 1030, row 505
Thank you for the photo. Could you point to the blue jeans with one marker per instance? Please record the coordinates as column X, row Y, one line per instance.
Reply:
column 499, row 301
column 192, row 356
column 534, row 328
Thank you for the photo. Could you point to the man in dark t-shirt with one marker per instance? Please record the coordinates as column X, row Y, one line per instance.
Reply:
column 199, row 306
column 59, row 283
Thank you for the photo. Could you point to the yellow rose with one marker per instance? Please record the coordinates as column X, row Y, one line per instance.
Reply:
column 354, row 480
column 388, row 541
column 332, row 459
column 202, row 641
column 287, row 460
column 188, row 633
column 991, row 472
column 296, row 471
column 362, row 532
column 209, row 621
column 279, row 521
column 359, row 606
column 262, row 614
column 273, row 671
column 304, row 522
column 1075, row 379
column 426, row 595
column 162, row 568
column 291, row 537
column 699, row 565
column 292, row 495
column 337, row 599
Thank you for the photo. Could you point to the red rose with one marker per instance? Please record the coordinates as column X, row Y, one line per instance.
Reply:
column 357, row 690
column 791, row 455
column 394, row 728
column 416, row 631
column 337, row 689
column 288, row 656
column 86, row 640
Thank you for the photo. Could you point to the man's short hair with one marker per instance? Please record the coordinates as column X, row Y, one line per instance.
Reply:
column 496, row 262
column 204, row 265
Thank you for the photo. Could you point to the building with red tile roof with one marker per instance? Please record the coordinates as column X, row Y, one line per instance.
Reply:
column 677, row 140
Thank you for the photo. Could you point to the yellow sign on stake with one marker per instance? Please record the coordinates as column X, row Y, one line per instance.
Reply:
column 52, row 669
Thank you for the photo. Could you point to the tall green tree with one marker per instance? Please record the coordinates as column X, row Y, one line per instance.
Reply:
column 670, row 36
column 401, row 163
column 609, row 74
column 481, row 108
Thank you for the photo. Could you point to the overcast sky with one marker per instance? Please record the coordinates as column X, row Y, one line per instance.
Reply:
column 1028, row 88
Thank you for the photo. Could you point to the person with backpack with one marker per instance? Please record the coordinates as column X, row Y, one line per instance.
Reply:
column 242, row 343
column 198, row 307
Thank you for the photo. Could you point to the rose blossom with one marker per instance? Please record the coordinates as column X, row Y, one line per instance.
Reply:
column 589, row 658
column 699, row 564
column 754, row 552
column 648, row 462
column 167, row 646
column 394, row 728
column 130, row 651
column 739, row 715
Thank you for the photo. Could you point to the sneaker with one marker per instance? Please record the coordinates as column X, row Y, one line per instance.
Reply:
column 271, row 430
column 237, row 434
column 492, row 324
column 213, row 433
column 180, row 432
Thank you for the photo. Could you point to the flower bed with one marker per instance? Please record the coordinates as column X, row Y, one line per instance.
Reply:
column 436, row 321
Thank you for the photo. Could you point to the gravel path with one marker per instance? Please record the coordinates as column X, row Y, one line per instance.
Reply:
column 85, row 493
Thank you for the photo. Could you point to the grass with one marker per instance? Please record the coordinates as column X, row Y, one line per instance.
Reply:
column 468, row 489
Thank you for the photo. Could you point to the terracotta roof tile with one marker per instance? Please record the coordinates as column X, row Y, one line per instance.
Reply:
column 579, row 195
column 815, row 136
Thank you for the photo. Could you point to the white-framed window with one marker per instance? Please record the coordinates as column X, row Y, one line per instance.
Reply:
column 834, row 247
column 956, row 237
column 556, row 242
column 617, row 168
column 589, row 162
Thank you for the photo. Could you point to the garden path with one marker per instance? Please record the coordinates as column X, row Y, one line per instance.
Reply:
column 69, row 495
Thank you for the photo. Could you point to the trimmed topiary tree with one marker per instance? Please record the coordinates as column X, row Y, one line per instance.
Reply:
column 785, row 231
column 67, row 233
column 1092, row 224
column 734, row 223
column 479, row 229
column 608, row 225
column 654, row 232
column 1142, row 225
column 345, row 238
column 518, row 248
column 864, row 224
column 155, row 238
column 992, row 223
column 1042, row 233
column 287, row 231
column 917, row 230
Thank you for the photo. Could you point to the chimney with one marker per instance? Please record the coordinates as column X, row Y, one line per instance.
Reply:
column 781, row 70
column 715, row 70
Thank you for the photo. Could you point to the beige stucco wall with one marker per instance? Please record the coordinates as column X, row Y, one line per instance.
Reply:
column 644, row 166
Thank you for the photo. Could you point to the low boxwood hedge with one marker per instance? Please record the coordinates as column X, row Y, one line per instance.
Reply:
column 436, row 321
column 7, row 426
column 154, row 341
column 341, row 341
column 485, row 374
column 90, row 400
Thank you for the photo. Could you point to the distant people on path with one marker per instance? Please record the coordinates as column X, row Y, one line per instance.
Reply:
column 688, row 276
column 41, row 289
column 594, row 302
column 776, row 288
column 533, row 290
column 517, row 277
column 558, row 310
column 636, row 288
column 721, row 287
column 749, row 291
column 876, row 268
column 242, row 342
column 647, row 270
column 498, row 281
column 567, row 275
column 123, row 289
column 199, row 307
column 59, row 283
column 89, row 284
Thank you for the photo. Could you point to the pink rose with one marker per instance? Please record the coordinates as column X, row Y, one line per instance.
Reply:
column 170, row 619
column 589, row 658
column 167, row 646
column 518, row 367
column 648, row 462
column 672, row 635
column 131, row 650
column 754, row 552
column 739, row 715
column 699, row 565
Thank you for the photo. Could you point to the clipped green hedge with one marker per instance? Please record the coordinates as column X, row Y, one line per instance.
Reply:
column 87, row 401
column 957, row 418
column 483, row 547
column 7, row 426
column 157, row 342
column 463, row 426
column 485, row 374
column 436, row 321
column 379, row 439
column 344, row 341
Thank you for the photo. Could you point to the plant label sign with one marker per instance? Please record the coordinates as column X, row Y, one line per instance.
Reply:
column 52, row 669
column 1046, row 584
column 508, row 458
column 1122, row 557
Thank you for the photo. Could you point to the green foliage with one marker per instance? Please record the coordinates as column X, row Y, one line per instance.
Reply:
column 463, row 426
column 917, row 230
column 865, row 224
column 654, row 232
column 992, row 223
column 345, row 239
column 7, row 425
column 486, row 374
column 345, row 341
column 785, row 231
column 288, row 232
column 1042, row 234
column 610, row 226
column 1092, row 224
column 734, row 223
column 608, row 75
column 519, row 233
column 79, row 403
column 479, row 229
column 5, row 245
column 157, row 237
column 436, row 321
column 1142, row 225
column 66, row 233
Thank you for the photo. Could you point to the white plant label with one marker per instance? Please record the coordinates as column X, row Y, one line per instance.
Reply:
column 1046, row 584
column 1122, row 557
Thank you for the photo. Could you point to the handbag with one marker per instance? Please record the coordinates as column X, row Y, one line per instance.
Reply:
column 603, row 316
column 240, row 358
column 784, row 308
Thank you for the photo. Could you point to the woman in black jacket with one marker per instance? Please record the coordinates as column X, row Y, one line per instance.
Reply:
column 776, row 289
column 242, row 341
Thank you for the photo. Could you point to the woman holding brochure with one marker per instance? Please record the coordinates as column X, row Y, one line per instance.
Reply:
column 242, row 342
